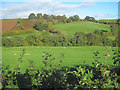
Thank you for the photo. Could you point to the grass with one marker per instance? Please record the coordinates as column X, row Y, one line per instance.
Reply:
column 80, row 26
column 72, row 55
column 20, row 33
column 112, row 37
column 109, row 20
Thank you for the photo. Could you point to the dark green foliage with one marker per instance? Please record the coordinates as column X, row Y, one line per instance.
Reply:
column 99, row 32
column 31, row 16
column 40, row 26
column 16, row 41
column 79, row 39
column 34, row 40
column 46, row 39
column 114, row 29
column 93, row 39
column 39, row 15
column 69, row 20
column 106, row 41
column 88, row 18
column 20, row 21
column 6, row 42
column 75, row 18
column 22, row 27
column 61, row 19
column 46, row 16
column 20, row 24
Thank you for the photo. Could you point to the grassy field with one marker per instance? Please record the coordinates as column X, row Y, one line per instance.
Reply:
column 112, row 37
column 81, row 26
column 72, row 55
column 21, row 33
column 109, row 20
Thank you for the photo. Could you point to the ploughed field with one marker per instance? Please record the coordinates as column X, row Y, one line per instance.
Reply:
column 72, row 55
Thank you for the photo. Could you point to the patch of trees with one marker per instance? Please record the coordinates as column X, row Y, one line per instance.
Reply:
column 53, row 18
column 88, row 18
column 114, row 29
column 110, row 23
column 97, row 38
column 32, row 16
column 40, row 26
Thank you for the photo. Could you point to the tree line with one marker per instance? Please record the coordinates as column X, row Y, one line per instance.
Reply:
column 59, row 18
column 96, row 38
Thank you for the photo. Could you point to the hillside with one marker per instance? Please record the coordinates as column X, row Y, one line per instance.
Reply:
column 8, row 24
column 81, row 26
column 12, row 24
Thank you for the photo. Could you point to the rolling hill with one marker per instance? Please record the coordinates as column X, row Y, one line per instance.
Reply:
column 81, row 26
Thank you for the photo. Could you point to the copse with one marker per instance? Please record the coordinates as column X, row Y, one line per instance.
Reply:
column 46, row 16
column 40, row 26
column 51, row 18
column 39, row 15
column 75, row 18
column 88, row 18
column 31, row 16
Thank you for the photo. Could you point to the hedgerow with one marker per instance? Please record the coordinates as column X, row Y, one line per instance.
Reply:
column 99, row 75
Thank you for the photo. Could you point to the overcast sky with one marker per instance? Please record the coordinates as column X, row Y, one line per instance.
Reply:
column 97, row 9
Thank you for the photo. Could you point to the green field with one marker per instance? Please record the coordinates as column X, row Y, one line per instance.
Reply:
column 81, row 26
column 109, row 20
column 72, row 55
column 112, row 37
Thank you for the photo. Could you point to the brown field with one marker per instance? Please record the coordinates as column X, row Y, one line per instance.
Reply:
column 8, row 24
column 11, row 24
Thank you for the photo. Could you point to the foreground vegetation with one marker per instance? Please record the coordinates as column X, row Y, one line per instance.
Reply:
column 100, row 75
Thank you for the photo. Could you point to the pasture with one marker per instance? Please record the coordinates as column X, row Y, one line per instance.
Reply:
column 108, row 20
column 81, row 26
column 72, row 55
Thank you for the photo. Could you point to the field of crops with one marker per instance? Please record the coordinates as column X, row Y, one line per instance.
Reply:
column 72, row 55
column 81, row 26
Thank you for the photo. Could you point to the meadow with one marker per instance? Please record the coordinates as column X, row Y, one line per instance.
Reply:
column 81, row 26
column 109, row 20
column 72, row 55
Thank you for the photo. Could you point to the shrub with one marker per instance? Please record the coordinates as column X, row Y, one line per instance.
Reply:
column 6, row 42
column 40, row 26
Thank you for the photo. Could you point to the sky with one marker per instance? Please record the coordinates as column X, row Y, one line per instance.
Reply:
column 95, row 8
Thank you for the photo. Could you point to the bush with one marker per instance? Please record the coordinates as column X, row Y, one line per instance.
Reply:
column 6, row 42
column 40, row 26
column 79, row 39
column 34, row 40
column 93, row 39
